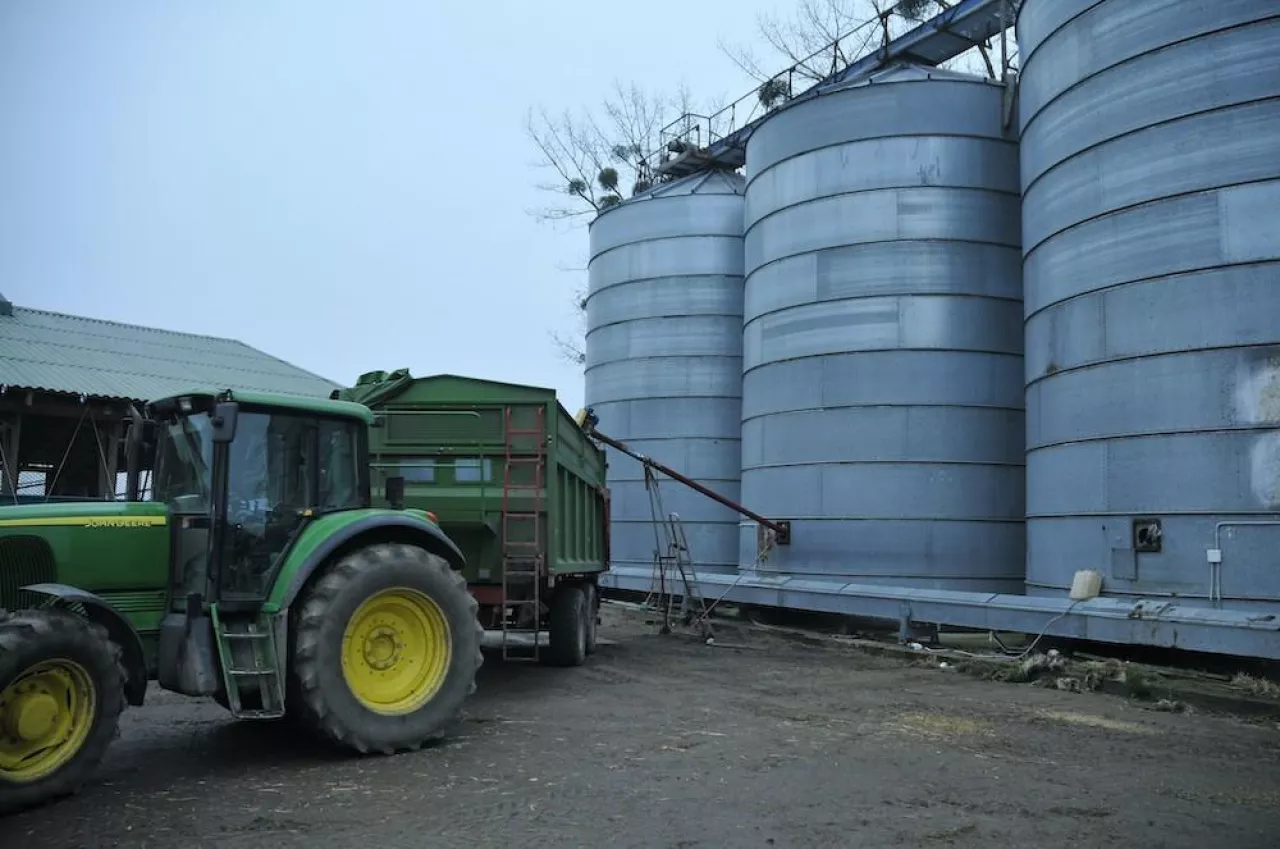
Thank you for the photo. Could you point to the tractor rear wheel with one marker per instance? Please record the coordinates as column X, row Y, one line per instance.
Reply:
column 386, row 648
column 61, row 695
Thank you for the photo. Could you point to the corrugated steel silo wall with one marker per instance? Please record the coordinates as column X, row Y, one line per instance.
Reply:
column 1151, row 229
column 882, row 353
column 664, row 359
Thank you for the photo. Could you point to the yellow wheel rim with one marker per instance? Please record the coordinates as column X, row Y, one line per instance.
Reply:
column 46, row 714
column 396, row 651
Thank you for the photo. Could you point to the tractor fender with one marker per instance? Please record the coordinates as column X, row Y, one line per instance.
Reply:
column 429, row 536
column 122, row 633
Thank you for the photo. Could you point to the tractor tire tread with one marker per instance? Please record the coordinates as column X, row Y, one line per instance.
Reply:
column 19, row 630
column 318, row 708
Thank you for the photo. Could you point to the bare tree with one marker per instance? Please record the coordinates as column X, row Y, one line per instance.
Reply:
column 597, row 158
column 593, row 160
column 571, row 346
column 812, row 40
column 821, row 37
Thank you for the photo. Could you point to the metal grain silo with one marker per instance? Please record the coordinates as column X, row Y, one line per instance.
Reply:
column 1151, row 230
column 664, row 358
column 882, row 352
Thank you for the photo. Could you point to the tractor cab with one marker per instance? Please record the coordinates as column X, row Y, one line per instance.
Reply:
column 242, row 476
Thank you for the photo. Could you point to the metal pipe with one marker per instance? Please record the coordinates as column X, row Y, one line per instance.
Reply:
column 472, row 413
column 781, row 530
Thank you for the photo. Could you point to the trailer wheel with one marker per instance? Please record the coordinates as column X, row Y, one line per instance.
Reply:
column 61, row 695
column 387, row 648
column 568, row 626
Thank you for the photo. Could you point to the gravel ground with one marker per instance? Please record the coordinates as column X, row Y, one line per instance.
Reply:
column 661, row 741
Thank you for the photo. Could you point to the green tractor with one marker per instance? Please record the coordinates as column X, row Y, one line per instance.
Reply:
column 284, row 593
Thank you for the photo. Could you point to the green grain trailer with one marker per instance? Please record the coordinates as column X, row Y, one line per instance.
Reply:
column 515, row 483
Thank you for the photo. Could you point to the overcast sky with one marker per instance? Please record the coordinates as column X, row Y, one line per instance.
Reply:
column 345, row 185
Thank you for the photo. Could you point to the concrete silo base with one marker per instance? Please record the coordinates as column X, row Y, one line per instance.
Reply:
column 1145, row 622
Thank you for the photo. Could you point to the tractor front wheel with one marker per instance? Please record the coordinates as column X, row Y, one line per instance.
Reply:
column 386, row 649
column 61, row 695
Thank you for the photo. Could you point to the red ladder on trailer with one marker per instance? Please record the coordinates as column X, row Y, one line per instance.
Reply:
column 522, row 549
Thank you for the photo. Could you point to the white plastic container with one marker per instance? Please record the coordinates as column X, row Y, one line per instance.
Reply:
column 1086, row 584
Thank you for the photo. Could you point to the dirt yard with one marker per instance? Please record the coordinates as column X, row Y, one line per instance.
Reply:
column 661, row 741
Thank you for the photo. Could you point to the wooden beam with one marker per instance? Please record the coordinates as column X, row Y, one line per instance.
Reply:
column 43, row 404
column 9, row 440
column 109, row 440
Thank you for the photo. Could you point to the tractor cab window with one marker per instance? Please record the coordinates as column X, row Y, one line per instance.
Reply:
column 269, row 468
column 184, row 458
column 271, row 480
column 340, row 472
column 281, row 469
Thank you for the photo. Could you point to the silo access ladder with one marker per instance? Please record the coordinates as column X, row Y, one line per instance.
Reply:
column 671, row 554
column 523, row 562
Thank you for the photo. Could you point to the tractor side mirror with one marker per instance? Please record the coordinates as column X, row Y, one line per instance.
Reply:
column 225, row 416
column 394, row 492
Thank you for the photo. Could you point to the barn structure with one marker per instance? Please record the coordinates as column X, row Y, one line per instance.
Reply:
column 66, row 383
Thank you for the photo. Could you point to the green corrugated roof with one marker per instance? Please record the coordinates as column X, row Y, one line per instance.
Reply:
column 106, row 359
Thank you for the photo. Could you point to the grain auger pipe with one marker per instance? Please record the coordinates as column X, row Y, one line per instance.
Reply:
column 781, row 530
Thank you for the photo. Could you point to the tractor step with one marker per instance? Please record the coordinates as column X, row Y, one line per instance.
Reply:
column 257, row 714
column 250, row 666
